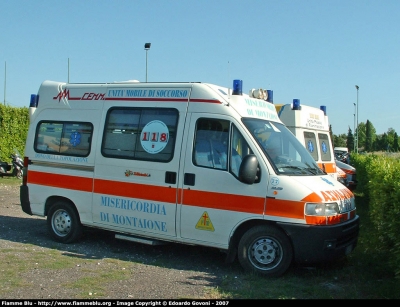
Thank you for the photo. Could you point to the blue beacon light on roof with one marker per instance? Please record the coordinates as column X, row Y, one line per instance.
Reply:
column 237, row 87
column 34, row 101
column 296, row 104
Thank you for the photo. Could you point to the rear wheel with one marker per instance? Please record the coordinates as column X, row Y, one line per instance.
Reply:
column 265, row 250
column 63, row 222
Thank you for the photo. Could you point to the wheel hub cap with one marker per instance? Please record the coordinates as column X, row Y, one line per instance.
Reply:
column 265, row 251
column 62, row 223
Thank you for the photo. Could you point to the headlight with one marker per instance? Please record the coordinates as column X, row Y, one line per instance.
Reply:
column 342, row 180
column 327, row 209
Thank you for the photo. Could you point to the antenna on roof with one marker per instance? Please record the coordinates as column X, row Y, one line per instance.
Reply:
column 68, row 70
column 5, row 81
column 229, row 78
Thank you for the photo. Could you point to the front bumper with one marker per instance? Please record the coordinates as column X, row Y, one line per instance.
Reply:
column 316, row 244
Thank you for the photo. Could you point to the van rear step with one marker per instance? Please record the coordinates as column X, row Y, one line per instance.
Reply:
column 139, row 240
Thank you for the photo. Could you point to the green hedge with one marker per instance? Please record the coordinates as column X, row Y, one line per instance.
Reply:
column 379, row 181
column 14, row 123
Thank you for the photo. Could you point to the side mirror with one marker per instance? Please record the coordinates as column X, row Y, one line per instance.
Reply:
column 248, row 169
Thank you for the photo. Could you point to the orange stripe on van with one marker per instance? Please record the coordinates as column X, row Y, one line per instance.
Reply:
column 185, row 100
column 61, row 181
column 330, row 220
column 238, row 203
column 221, row 201
column 312, row 198
column 128, row 189
column 148, row 99
column 329, row 167
column 285, row 208
column 329, row 195
column 206, row 100
column 315, row 220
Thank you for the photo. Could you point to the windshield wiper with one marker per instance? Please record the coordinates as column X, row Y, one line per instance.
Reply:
column 301, row 169
column 312, row 170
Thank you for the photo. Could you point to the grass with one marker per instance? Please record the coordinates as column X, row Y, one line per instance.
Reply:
column 95, row 284
column 14, row 181
column 26, row 258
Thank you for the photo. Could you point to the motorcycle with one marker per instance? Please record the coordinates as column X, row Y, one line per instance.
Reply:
column 14, row 169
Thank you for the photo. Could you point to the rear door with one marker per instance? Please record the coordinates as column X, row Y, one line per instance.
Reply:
column 136, row 174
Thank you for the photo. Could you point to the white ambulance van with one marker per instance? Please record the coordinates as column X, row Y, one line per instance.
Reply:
column 311, row 126
column 192, row 163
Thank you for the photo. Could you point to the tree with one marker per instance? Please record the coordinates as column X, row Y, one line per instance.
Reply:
column 370, row 136
column 396, row 142
column 331, row 133
column 384, row 142
column 339, row 140
column 390, row 139
column 350, row 140
column 361, row 135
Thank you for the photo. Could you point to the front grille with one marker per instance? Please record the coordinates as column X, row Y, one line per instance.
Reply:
column 350, row 233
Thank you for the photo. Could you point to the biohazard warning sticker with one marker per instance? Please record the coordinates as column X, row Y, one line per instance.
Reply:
column 204, row 222
column 154, row 137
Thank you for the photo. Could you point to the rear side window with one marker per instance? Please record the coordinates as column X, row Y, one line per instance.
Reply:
column 64, row 138
column 147, row 134
column 310, row 142
column 325, row 147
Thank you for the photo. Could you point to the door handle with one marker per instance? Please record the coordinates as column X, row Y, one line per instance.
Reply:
column 189, row 179
column 170, row 177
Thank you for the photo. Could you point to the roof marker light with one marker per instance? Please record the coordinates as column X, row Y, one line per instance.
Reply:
column 270, row 96
column 237, row 87
column 296, row 104
column 258, row 93
column 323, row 108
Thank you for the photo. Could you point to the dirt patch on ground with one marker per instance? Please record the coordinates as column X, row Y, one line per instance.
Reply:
column 137, row 271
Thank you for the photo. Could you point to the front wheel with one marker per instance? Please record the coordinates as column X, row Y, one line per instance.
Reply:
column 265, row 250
column 63, row 223
column 19, row 174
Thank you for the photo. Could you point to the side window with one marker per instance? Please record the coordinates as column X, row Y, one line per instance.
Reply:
column 239, row 149
column 325, row 147
column 219, row 145
column 211, row 143
column 64, row 138
column 147, row 134
column 310, row 143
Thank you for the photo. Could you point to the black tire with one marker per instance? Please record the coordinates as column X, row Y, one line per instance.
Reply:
column 63, row 222
column 265, row 250
column 19, row 174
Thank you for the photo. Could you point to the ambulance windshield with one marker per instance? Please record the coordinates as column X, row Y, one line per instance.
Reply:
column 286, row 154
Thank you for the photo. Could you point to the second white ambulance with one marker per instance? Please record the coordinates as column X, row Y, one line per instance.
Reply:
column 311, row 127
column 193, row 163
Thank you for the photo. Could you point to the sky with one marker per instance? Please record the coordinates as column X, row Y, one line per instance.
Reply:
column 313, row 50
